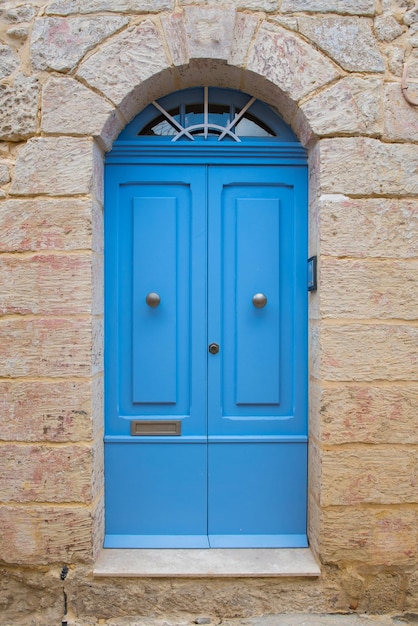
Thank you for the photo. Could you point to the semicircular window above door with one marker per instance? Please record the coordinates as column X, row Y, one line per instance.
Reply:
column 204, row 113
column 206, row 326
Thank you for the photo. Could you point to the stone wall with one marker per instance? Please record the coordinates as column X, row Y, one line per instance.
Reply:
column 72, row 74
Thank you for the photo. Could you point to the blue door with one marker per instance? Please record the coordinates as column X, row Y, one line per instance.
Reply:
column 205, row 327
column 206, row 356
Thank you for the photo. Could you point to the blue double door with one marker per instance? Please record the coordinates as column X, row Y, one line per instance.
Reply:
column 206, row 356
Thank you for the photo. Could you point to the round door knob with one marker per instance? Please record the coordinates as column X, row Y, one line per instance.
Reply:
column 259, row 300
column 153, row 299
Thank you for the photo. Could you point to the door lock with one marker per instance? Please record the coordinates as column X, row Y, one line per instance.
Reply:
column 214, row 348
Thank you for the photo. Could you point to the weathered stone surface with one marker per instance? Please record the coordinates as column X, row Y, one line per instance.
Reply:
column 368, row 228
column 69, row 7
column 396, row 57
column 364, row 414
column 351, row 106
column 51, row 411
column 348, row 40
column 378, row 475
column 209, row 32
column 366, row 352
column 19, row 108
column 4, row 173
column 46, row 224
column 244, row 30
column 49, row 284
column 252, row 5
column 55, row 166
column 401, row 120
column 378, row 289
column 356, row 7
column 44, row 534
column 289, row 62
column 367, row 166
column 411, row 17
column 374, row 536
column 68, row 107
column 50, row 347
column 9, row 61
column 18, row 32
column 38, row 473
column 59, row 44
column 122, row 64
column 18, row 14
column 176, row 38
column 386, row 28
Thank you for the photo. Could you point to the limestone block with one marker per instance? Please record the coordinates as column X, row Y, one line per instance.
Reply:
column 401, row 120
column 396, row 57
column 378, row 289
column 68, row 107
column 251, row 5
column 176, row 38
column 411, row 17
column 244, row 31
column 386, row 28
column 45, row 534
column 356, row 7
column 347, row 40
column 376, row 474
column 18, row 14
column 59, row 44
column 121, row 65
column 367, row 352
column 289, row 62
column 352, row 105
column 368, row 228
column 209, row 31
column 47, row 284
column 365, row 414
column 18, row 32
column 97, row 364
column 50, row 411
column 19, row 108
column 48, row 346
column 34, row 473
column 363, row 166
column 373, row 536
column 9, row 61
column 4, row 173
column 46, row 224
column 69, row 7
column 54, row 166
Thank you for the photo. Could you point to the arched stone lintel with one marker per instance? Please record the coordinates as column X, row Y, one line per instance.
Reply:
column 195, row 46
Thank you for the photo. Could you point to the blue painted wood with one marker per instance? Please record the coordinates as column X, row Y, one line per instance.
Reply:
column 206, row 228
column 274, row 353
column 155, row 336
column 155, row 490
column 257, row 494
column 168, row 342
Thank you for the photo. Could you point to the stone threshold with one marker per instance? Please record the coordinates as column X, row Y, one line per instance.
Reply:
column 211, row 563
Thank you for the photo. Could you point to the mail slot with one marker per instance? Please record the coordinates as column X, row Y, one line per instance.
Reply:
column 150, row 428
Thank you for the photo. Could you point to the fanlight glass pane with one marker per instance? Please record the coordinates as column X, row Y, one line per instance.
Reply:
column 161, row 125
column 209, row 113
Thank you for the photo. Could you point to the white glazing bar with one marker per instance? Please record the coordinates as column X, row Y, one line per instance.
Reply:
column 172, row 120
column 237, row 117
column 206, row 111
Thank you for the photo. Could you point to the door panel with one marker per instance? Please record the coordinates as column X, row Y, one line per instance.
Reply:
column 258, row 380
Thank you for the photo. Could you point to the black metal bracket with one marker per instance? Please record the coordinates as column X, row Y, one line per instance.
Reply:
column 312, row 264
